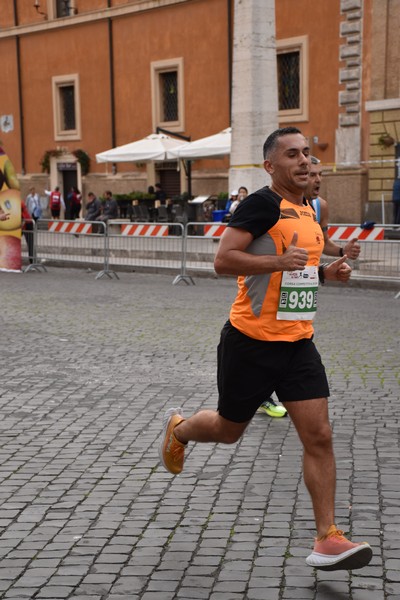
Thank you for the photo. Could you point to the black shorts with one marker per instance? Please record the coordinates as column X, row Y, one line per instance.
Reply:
column 249, row 371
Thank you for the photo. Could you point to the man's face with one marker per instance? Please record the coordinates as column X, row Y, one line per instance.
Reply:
column 314, row 182
column 289, row 163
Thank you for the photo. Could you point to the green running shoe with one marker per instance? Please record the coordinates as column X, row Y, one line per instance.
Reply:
column 272, row 410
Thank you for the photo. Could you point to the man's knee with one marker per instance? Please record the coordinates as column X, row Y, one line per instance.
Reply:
column 230, row 432
column 319, row 440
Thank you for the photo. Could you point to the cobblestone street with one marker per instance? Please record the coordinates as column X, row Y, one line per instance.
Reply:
column 87, row 512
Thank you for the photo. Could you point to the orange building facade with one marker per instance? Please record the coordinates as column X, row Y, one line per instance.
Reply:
column 83, row 76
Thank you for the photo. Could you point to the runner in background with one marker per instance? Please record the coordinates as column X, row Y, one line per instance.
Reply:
column 351, row 249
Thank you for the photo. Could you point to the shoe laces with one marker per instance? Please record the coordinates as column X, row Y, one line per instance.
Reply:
column 332, row 532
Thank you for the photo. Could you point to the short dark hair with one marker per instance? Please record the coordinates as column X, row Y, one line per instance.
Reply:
column 314, row 160
column 271, row 141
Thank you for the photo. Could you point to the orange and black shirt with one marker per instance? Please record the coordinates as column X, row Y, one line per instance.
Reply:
column 272, row 221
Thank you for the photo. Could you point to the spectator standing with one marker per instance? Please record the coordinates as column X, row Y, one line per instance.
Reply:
column 56, row 202
column 243, row 192
column 232, row 198
column 27, row 229
column 124, row 205
column 396, row 197
column 75, row 203
column 33, row 205
column 241, row 195
column 161, row 196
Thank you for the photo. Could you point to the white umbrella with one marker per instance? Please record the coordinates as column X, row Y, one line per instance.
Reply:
column 211, row 146
column 153, row 147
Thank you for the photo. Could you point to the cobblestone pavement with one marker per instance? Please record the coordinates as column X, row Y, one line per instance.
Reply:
column 87, row 512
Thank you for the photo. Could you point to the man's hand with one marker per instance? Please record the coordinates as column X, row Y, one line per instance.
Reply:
column 294, row 258
column 339, row 270
column 352, row 249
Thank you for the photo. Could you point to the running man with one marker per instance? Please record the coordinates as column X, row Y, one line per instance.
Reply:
column 273, row 243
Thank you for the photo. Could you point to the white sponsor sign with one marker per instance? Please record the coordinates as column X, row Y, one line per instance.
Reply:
column 7, row 123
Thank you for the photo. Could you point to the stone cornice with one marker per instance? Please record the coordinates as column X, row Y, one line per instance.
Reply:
column 387, row 104
column 90, row 17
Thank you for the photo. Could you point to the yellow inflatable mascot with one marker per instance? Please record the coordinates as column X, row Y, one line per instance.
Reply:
column 10, row 216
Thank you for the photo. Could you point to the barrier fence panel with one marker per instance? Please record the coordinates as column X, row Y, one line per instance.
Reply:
column 159, row 246
column 71, row 242
column 185, row 250
column 201, row 242
column 379, row 258
column 28, row 247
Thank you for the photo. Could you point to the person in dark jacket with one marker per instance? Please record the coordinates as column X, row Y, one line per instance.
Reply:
column 93, row 207
column 109, row 209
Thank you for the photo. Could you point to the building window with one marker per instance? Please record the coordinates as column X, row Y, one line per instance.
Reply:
column 289, row 80
column 292, row 68
column 66, row 107
column 167, row 94
column 57, row 9
column 62, row 9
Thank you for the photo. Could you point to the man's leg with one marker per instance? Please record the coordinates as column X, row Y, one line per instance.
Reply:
column 311, row 420
column 209, row 426
column 332, row 551
column 204, row 426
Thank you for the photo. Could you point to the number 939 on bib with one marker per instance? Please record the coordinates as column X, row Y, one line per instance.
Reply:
column 298, row 295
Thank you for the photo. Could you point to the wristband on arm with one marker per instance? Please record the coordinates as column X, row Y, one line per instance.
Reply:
column 321, row 274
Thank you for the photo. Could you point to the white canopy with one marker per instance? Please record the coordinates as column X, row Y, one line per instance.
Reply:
column 212, row 146
column 151, row 148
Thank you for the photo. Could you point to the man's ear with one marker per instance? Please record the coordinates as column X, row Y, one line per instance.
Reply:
column 268, row 167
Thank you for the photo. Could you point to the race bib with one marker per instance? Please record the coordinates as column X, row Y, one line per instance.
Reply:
column 298, row 295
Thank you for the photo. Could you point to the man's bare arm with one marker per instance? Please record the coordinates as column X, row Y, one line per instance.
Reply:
column 232, row 258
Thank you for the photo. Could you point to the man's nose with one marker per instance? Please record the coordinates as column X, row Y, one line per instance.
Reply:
column 303, row 158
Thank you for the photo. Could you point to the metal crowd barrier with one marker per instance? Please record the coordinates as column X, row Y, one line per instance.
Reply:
column 379, row 258
column 158, row 246
column 380, row 255
column 71, row 243
column 186, row 250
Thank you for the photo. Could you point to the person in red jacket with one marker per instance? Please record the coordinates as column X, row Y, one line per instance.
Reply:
column 56, row 202
column 27, row 229
column 75, row 203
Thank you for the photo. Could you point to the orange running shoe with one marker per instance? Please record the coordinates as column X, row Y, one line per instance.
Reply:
column 171, row 450
column 333, row 552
